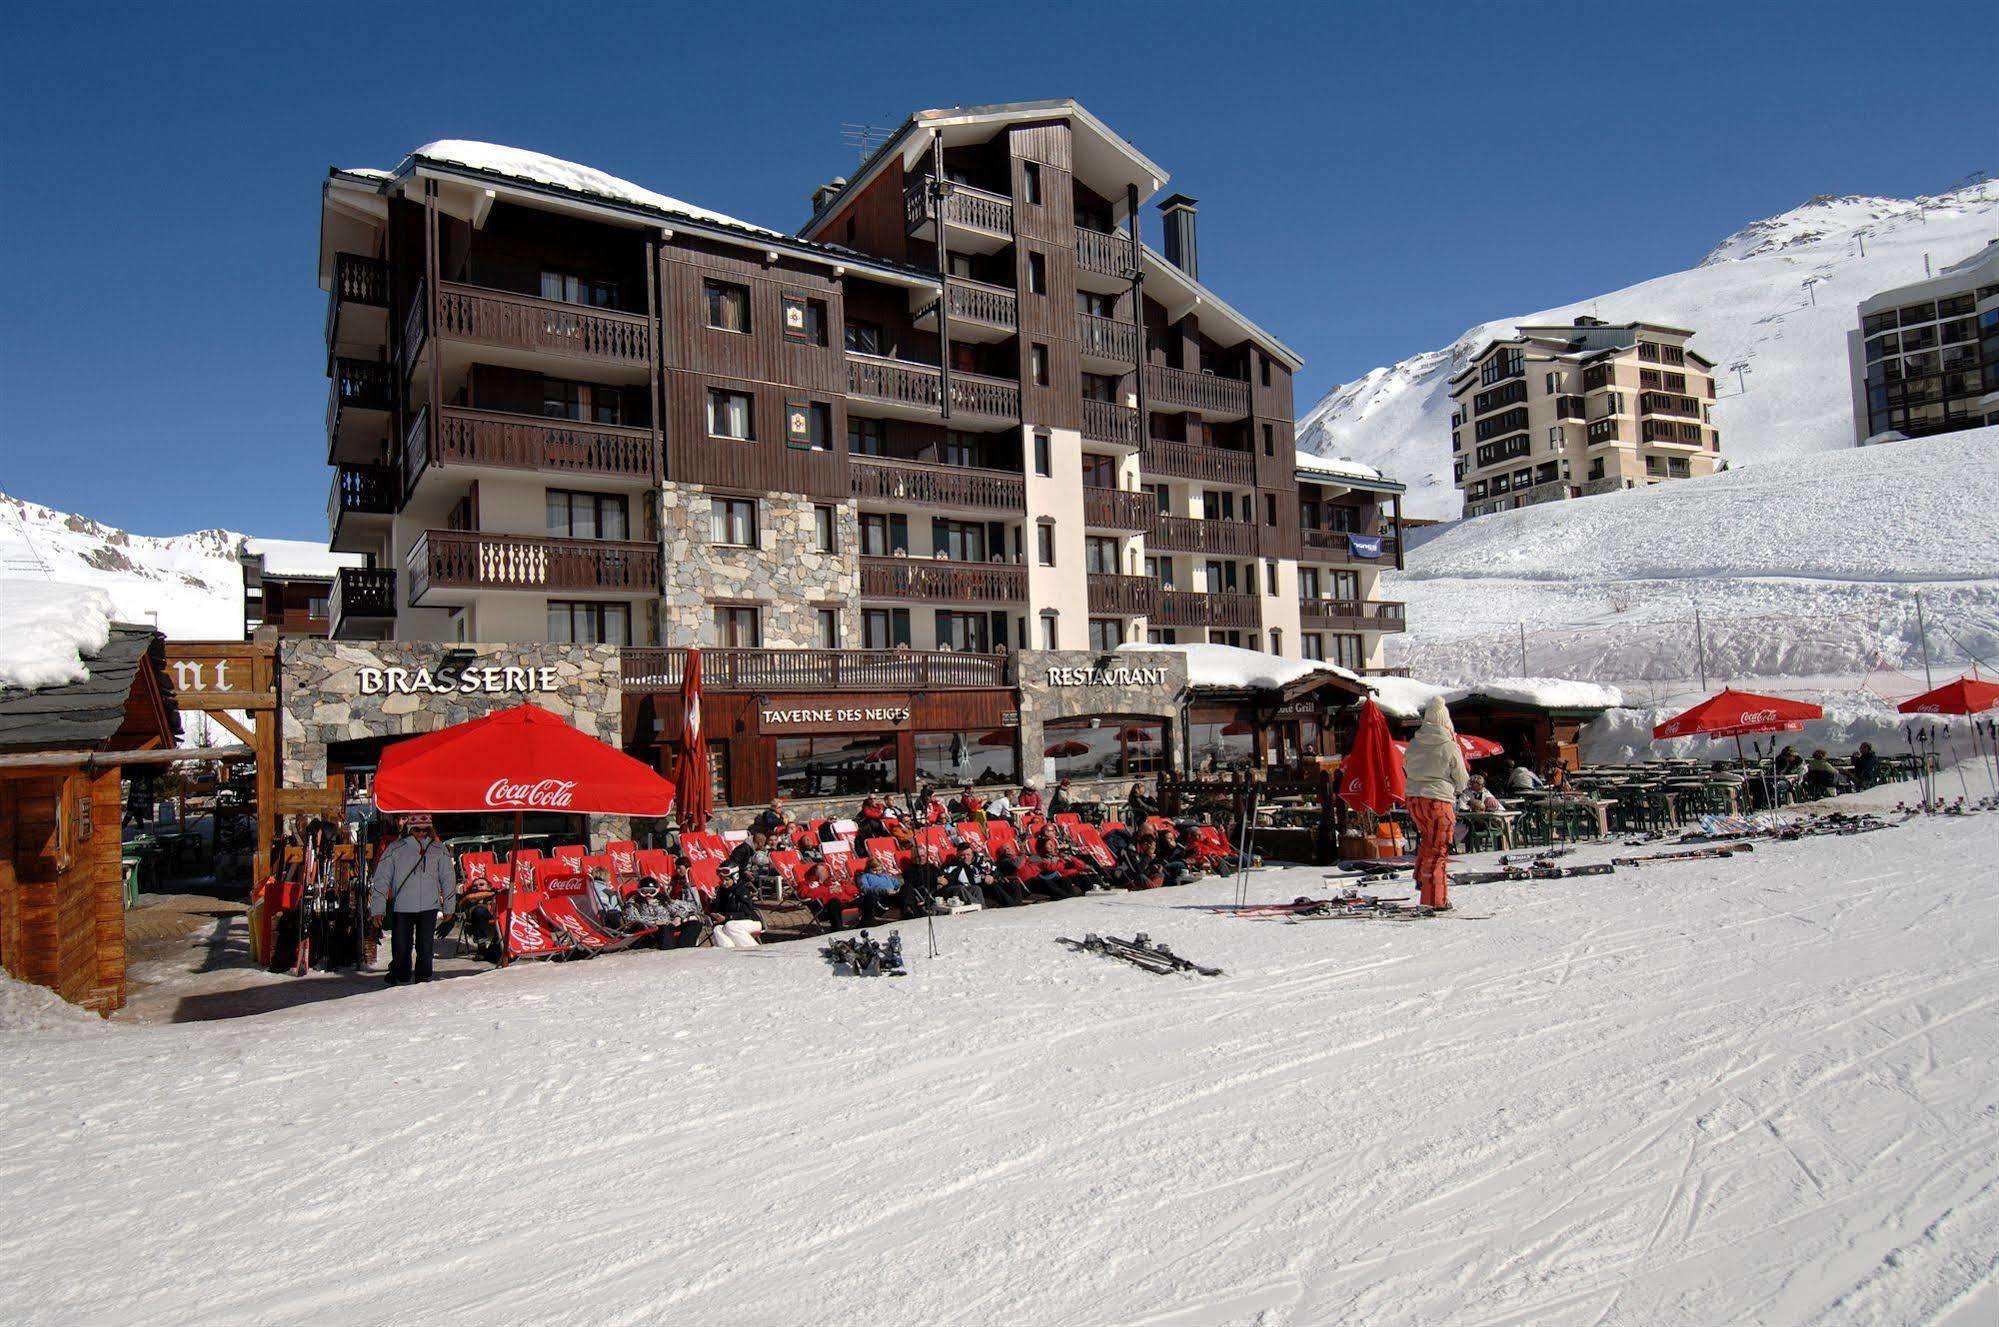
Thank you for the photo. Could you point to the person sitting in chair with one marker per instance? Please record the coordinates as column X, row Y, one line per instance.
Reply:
column 755, row 866
column 734, row 912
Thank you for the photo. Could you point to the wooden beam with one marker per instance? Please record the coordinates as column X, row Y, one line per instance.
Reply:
column 210, row 701
column 229, row 722
column 113, row 759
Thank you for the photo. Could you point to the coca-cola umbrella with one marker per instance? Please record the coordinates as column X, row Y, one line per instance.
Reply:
column 1474, row 748
column 1371, row 775
column 1740, row 714
column 692, row 774
column 1965, row 696
column 520, row 760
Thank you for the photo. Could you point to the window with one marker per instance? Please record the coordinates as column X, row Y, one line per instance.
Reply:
column 575, row 623
column 804, row 320
column 864, row 436
column 1264, row 362
column 1270, row 509
column 1100, row 387
column 733, row 521
column 1162, row 636
column 1044, row 462
column 1162, row 496
column 738, row 627
column 1348, row 652
column 1106, row 746
column 317, row 606
column 884, row 535
column 1106, row 633
column 970, row 632
column 865, row 338
column 728, row 305
column 1037, row 274
column 1308, row 582
column 1160, row 570
column 569, row 288
column 884, row 628
column 1555, row 436
column 967, row 758
column 1100, row 555
column 960, row 541
column 586, row 515
column 828, row 628
column 1044, row 542
column 1030, row 183
column 1048, row 635
column 1269, row 577
column 826, row 528
column 1095, row 305
column 1312, row 645
column 1270, row 440
column 835, row 764
column 1277, row 640
column 1037, row 359
column 1099, row 471
column 959, row 449
column 808, row 425
column 731, row 415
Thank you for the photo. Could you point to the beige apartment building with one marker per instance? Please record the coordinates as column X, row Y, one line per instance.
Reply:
column 1565, row 412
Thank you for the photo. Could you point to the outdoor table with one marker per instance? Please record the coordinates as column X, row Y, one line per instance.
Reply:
column 1502, row 819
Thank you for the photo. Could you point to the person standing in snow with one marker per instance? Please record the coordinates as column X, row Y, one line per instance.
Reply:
column 1434, row 774
column 413, row 882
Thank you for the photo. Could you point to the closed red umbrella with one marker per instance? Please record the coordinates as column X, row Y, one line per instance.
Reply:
column 1371, row 775
column 1967, row 695
column 697, row 796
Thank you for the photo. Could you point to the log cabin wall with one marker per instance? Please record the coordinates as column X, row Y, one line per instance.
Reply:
column 62, row 904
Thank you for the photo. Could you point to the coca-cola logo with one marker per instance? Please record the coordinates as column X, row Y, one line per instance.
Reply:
column 547, row 794
column 1760, row 716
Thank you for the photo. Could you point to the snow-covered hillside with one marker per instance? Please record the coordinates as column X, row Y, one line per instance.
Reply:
column 1798, row 572
column 1748, row 304
column 190, row 585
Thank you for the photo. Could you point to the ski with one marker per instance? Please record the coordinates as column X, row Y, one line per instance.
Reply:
column 1538, row 871
column 1399, row 912
column 1718, row 850
column 1138, row 951
column 1300, row 905
column 864, row 956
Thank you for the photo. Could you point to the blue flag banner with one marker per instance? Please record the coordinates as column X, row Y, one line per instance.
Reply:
column 1364, row 545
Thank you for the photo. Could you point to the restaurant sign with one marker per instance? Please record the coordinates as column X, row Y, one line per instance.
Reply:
column 1121, row 675
column 454, row 678
column 815, row 714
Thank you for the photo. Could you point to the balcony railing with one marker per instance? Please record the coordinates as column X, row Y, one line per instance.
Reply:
column 935, row 485
column 360, row 280
column 1191, row 608
column 416, row 325
column 1666, row 403
column 368, row 490
column 977, row 302
column 817, row 670
column 973, row 209
column 1107, row 421
column 532, row 442
column 1335, row 546
column 1189, row 534
column 360, row 594
column 1104, row 254
column 1107, row 338
column 1177, row 389
column 940, row 580
column 1122, row 596
column 1198, row 460
column 476, row 560
column 899, row 382
column 1352, row 614
column 521, row 322
column 1117, row 509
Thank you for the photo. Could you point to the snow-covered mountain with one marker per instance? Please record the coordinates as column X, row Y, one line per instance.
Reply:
column 191, row 585
column 1777, row 298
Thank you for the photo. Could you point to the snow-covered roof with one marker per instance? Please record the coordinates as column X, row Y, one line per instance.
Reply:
column 540, row 168
column 1232, row 668
column 1342, row 469
column 298, row 557
column 1404, row 697
column 52, row 631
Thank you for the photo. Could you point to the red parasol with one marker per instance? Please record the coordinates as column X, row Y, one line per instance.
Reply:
column 1738, row 714
column 1062, row 750
column 1474, row 748
column 521, row 759
column 691, row 773
column 1371, row 775
column 1967, row 695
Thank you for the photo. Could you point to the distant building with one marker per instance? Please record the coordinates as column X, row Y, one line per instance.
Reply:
column 1565, row 412
column 1926, row 356
column 288, row 593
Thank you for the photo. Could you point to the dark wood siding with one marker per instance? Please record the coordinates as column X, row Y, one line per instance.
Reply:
column 1047, row 229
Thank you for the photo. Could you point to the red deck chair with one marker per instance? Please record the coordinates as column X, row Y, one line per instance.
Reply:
column 704, row 854
column 566, row 915
column 474, row 868
column 597, row 861
column 655, row 862
column 571, row 851
column 1091, row 839
column 938, row 837
column 1068, row 820
column 525, row 867
column 1001, row 837
column 1157, row 824
column 528, row 932
column 887, row 853
column 847, row 829
column 969, row 829
column 1112, row 824
column 624, row 855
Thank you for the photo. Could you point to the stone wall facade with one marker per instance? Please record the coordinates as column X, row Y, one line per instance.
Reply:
column 787, row 578
column 1073, row 684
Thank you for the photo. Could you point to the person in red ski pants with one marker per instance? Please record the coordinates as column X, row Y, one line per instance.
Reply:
column 1433, row 769
column 1435, row 822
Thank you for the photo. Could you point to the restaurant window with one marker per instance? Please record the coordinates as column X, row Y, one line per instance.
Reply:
column 969, row 632
column 1222, row 745
column 580, row 623
column 1311, row 645
column 586, row 515
column 865, row 338
column 1037, row 362
column 884, row 628
column 569, row 288
column 1030, row 183
column 1044, row 461
column 1044, row 542
column 826, row 528
column 835, row 765
column 733, row 521
column 738, row 627
column 864, row 436
column 731, row 414
column 829, row 628
column 1037, row 274
column 1105, row 747
column 969, row 758
column 1048, row 633
column 1106, row 633
column 1100, row 555
column 884, row 535
column 728, row 305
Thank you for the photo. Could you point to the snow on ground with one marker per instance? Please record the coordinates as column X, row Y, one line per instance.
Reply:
column 1758, row 1089
column 50, row 631
column 1778, row 298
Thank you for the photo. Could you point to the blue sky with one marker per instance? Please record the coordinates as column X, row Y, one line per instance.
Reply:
column 1373, row 180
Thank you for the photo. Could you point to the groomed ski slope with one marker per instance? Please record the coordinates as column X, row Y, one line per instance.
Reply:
column 1750, row 1090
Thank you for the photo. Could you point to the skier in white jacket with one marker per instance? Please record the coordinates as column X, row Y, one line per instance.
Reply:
column 1433, row 772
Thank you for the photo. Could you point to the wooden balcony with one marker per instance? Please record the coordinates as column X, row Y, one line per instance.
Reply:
column 1103, row 256
column 1333, row 546
column 1110, row 340
column 940, row 581
column 1214, row 397
column 984, row 219
column 934, row 485
column 447, row 565
column 1108, row 421
column 362, row 604
column 916, row 390
column 506, row 321
column 1116, row 509
column 360, row 491
column 980, row 312
column 1352, row 615
column 818, row 670
column 1198, row 460
column 597, row 452
column 358, row 400
column 1122, row 596
column 1191, row 608
column 357, row 303
column 1191, row 534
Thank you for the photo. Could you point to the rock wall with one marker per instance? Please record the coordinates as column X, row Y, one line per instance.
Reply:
column 787, row 577
column 1071, row 684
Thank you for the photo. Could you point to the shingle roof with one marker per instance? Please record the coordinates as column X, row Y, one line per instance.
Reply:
column 89, row 713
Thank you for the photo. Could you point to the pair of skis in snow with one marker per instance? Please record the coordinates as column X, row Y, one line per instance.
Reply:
column 1703, row 854
column 1139, row 951
column 864, row 956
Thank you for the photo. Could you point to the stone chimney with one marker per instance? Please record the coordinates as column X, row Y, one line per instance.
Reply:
column 825, row 192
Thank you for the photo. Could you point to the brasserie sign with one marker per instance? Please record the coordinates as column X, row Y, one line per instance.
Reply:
column 455, row 679
column 1123, row 675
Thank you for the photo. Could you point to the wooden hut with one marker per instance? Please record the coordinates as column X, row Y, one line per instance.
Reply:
column 1541, row 729
column 62, row 798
